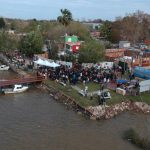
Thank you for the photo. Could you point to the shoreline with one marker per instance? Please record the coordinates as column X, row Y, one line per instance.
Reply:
column 98, row 112
column 109, row 112
column 20, row 72
column 92, row 112
column 67, row 100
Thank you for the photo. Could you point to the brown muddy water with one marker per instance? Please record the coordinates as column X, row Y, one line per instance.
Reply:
column 34, row 121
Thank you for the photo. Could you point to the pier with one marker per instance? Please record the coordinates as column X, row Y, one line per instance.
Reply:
column 21, row 81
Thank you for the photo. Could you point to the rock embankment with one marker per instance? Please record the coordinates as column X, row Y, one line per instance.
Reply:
column 101, row 111
column 69, row 102
column 108, row 112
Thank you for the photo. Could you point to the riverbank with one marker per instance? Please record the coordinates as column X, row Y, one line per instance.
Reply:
column 88, row 106
column 94, row 112
column 69, row 102
column 12, row 66
column 108, row 112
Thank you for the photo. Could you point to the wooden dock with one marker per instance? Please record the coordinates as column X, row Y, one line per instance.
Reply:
column 21, row 81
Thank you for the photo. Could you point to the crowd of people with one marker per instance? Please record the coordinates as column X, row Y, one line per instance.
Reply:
column 78, row 73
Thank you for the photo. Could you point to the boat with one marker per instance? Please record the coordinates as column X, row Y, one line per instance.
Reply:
column 17, row 88
column 4, row 67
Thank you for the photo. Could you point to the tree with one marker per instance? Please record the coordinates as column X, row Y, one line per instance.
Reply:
column 32, row 43
column 65, row 18
column 13, row 25
column 32, row 26
column 2, row 23
column 8, row 42
column 116, row 32
column 79, row 29
column 91, row 52
column 56, row 32
column 106, row 31
column 52, row 48
column 133, row 27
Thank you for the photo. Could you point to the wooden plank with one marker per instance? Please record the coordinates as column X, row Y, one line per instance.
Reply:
column 20, row 81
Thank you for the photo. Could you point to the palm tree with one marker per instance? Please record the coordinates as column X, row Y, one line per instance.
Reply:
column 65, row 18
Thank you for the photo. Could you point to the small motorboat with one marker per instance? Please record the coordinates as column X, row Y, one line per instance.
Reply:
column 4, row 67
column 18, row 88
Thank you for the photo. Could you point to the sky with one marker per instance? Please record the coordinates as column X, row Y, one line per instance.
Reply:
column 80, row 9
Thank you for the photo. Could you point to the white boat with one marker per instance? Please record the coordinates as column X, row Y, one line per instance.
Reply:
column 4, row 67
column 18, row 88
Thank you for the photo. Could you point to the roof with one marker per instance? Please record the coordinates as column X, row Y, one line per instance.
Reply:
column 72, row 43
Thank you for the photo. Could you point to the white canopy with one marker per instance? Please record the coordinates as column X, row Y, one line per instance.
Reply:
column 46, row 63
column 54, row 65
column 39, row 62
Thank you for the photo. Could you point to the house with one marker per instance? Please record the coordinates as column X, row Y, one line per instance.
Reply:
column 113, row 54
column 72, row 44
column 147, row 42
column 11, row 31
column 72, row 38
column 45, row 53
column 124, row 44
column 73, row 47
column 92, row 25
column 95, row 34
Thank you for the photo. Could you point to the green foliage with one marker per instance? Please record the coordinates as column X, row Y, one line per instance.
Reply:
column 56, row 32
column 33, row 25
column 133, row 27
column 2, row 23
column 46, row 28
column 32, row 43
column 77, row 28
column 106, row 30
column 7, row 42
column 65, row 18
column 91, row 52
column 116, row 34
column 68, row 57
column 13, row 25
column 133, row 136
column 53, row 50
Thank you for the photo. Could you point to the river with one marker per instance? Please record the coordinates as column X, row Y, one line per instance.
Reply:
column 34, row 121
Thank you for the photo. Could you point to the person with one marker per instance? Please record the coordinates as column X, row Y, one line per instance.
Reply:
column 99, row 100
column 103, row 95
column 102, row 98
column 86, row 90
column 137, row 86
column 104, row 79
column 102, row 87
column 130, row 76
column 91, row 96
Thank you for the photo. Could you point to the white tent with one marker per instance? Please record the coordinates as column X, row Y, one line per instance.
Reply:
column 40, row 62
column 54, row 65
column 46, row 63
column 144, row 85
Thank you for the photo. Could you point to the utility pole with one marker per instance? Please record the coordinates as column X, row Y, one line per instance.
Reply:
column 49, row 47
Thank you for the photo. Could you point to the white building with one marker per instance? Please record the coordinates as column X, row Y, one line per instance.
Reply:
column 124, row 44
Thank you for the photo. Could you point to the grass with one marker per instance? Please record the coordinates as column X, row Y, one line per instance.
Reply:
column 91, row 86
column 143, row 97
column 115, row 98
column 86, row 101
column 82, row 101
